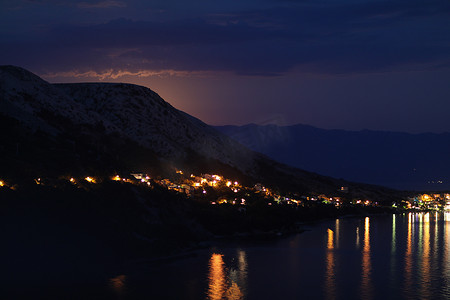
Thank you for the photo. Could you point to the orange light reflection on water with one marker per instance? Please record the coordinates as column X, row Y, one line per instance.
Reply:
column 337, row 233
column 217, row 282
column 118, row 283
column 366, row 282
column 446, row 237
column 393, row 268
column 426, row 278
column 330, row 280
column 330, row 243
column 357, row 237
column 227, row 285
column 408, row 253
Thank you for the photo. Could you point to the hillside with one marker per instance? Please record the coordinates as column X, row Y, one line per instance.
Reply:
column 68, row 216
column 105, row 128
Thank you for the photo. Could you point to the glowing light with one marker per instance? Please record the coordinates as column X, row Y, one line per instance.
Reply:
column 116, row 178
column 229, row 183
column 2, row 183
column 90, row 179
column 179, row 172
column 217, row 177
column 72, row 179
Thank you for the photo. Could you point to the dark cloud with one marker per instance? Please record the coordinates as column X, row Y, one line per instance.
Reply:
column 102, row 4
column 310, row 36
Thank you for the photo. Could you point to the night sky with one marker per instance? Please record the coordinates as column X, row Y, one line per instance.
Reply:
column 380, row 65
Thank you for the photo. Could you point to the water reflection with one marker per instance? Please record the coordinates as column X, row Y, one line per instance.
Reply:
column 403, row 256
column 393, row 242
column 216, row 277
column 436, row 237
column 393, row 266
column 330, row 284
column 337, row 233
column 366, row 284
column 357, row 237
column 118, row 283
column 330, row 240
column 446, row 254
column 408, row 253
column 227, row 283
column 426, row 280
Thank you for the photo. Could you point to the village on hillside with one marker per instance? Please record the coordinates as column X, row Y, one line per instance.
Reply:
column 219, row 190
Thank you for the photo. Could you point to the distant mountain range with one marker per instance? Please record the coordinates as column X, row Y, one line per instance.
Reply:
column 103, row 128
column 394, row 159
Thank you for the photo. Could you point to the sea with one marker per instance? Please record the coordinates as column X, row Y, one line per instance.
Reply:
column 392, row 256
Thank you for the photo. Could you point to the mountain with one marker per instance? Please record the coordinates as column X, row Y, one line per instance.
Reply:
column 60, row 232
column 103, row 128
column 394, row 159
column 128, row 111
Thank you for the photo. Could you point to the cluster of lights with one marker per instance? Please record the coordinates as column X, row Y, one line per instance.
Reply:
column 234, row 186
column 90, row 179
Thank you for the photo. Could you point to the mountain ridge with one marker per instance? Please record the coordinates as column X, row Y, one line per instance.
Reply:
column 396, row 159
column 112, row 126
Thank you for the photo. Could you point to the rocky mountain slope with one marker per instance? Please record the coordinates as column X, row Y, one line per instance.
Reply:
column 105, row 127
column 130, row 111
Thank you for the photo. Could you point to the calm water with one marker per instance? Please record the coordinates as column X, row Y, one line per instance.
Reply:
column 382, row 257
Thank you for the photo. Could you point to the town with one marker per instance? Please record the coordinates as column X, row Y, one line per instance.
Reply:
column 218, row 190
